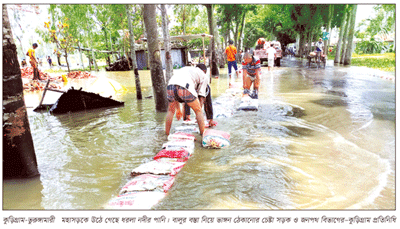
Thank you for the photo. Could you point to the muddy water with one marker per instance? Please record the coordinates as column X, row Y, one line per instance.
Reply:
column 322, row 139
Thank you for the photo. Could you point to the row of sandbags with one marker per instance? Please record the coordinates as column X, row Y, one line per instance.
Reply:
column 151, row 181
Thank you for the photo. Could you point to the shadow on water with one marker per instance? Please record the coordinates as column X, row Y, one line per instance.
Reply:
column 297, row 131
column 26, row 194
column 330, row 102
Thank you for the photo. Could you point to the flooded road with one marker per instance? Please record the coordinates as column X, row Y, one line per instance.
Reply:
column 322, row 139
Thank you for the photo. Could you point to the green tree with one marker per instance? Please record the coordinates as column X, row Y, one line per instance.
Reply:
column 133, row 53
column 308, row 21
column 62, row 37
column 78, row 21
column 186, row 16
column 341, row 34
column 377, row 29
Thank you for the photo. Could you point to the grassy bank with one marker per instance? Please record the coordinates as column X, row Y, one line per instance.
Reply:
column 384, row 62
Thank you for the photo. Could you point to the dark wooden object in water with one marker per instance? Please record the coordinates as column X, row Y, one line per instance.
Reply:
column 120, row 65
column 78, row 100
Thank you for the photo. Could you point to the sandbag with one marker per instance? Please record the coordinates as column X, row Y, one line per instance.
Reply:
column 191, row 122
column 181, row 136
column 179, row 144
column 136, row 200
column 176, row 170
column 248, row 104
column 216, row 139
column 181, row 154
column 157, row 167
column 167, row 185
column 187, row 129
column 146, row 182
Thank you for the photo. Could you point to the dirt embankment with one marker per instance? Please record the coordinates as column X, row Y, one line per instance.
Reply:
column 55, row 81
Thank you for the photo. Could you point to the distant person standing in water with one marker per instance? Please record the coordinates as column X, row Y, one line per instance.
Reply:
column 23, row 63
column 271, row 57
column 230, row 52
column 33, row 61
column 49, row 61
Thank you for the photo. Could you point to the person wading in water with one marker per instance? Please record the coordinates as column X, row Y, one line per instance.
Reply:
column 34, row 62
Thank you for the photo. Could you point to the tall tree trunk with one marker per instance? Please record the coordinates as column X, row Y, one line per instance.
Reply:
column 212, row 29
column 133, row 54
column 157, row 75
column 105, row 38
column 112, row 49
column 241, row 31
column 184, row 20
column 91, row 48
column 340, row 41
column 300, row 48
column 349, row 49
column 80, row 56
column 345, row 35
column 145, row 35
column 167, row 44
column 235, row 33
column 90, row 62
column 58, row 58
column 66, row 59
column 19, row 158
column 309, row 47
column 328, row 28
column 94, row 61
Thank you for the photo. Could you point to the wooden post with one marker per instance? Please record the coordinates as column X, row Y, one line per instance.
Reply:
column 44, row 92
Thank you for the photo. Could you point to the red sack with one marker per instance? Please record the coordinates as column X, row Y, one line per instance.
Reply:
column 181, row 153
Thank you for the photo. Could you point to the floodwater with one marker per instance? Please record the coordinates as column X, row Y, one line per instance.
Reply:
column 322, row 139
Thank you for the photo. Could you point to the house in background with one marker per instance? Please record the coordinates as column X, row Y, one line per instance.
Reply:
column 177, row 53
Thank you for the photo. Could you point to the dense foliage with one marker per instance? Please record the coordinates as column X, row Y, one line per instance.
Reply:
column 104, row 27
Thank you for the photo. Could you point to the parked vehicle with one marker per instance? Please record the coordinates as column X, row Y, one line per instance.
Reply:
column 261, row 51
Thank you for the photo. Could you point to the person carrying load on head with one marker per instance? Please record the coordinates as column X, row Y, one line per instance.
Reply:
column 251, row 74
column 230, row 52
column 260, row 43
column 33, row 61
column 187, row 85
